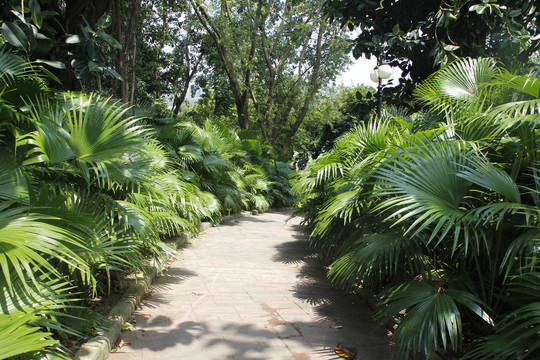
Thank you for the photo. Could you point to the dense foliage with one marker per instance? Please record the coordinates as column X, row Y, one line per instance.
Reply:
column 438, row 213
column 419, row 36
column 88, row 193
column 273, row 57
column 436, row 210
column 335, row 110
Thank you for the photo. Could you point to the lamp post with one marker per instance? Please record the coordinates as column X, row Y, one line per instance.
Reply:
column 380, row 73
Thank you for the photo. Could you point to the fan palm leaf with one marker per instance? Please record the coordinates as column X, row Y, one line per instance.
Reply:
column 53, row 301
column 433, row 316
column 28, row 241
column 422, row 186
column 91, row 133
column 18, row 336
column 478, row 170
column 19, row 82
column 463, row 80
column 522, row 253
column 375, row 258
column 13, row 180
column 462, row 93
column 517, row 335
column 454, row 206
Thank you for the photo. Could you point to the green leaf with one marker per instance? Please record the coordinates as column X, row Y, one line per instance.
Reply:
column 35, row 9
column 104, row 22
column 81, row 72
column 93, row 50
column 73, row 39
column 113, row 74
column 432, row 315
column 514, row 13
column 34, row 6
column 450, row 47
column 110, row 40
column 78, row 64
column 478, row 8
column 47, row 14
column 41, row 36
column 18, row 337
column 516, row 336
column 54, row 64
column 481, row 172
column 15, row 35
column 93, row 67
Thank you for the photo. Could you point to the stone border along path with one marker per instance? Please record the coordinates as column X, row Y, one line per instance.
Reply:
column 249, row 289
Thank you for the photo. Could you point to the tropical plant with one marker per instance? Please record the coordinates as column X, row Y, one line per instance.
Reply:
column 438, row 211
column 241, row 171
column 86, row 195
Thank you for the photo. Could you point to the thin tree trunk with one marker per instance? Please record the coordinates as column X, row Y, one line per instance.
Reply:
column 190, row 74
column 240, row 83
column 120, row 53
column 134, row 41
column 133, row 74
column 314, row 86
column 276, row 131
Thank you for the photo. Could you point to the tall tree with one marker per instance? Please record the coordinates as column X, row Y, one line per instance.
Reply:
column 127, row 18
column 171, row 51
column 236, row 57
column 276, row 55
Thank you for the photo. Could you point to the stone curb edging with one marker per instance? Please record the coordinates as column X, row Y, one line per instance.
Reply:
column 99, row 347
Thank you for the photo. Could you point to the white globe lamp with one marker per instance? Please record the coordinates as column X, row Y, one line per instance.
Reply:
column 384, row 71
column 374, row 76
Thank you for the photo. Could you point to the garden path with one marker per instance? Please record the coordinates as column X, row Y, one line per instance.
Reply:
column 250, row 289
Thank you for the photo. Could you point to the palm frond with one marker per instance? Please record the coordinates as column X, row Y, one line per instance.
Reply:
column 522, row 83
column 463, row 80
column 423, row 187
column 478, row 170
column 340, row 207
column 14, row 183
column 517, row 336
column 432, row 318
column 18, row 336
column 28, row 241
column 522, row 253
column 376, row 258
column 91, row 132
column 19, row 79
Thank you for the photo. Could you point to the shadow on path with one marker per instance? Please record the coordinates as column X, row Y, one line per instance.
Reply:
column 259, row 293
column 334, row 306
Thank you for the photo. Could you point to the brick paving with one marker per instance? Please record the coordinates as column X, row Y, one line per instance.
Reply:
column 250, row 290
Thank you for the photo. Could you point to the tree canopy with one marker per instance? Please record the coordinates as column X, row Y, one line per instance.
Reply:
column 276, row 56
column 421, row 35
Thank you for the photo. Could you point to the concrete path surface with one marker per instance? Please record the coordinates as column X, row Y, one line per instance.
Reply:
column 249, row 289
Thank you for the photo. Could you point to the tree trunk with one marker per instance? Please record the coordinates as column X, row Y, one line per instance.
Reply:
column 121, row 57
column 314, row 86
column 133, row 73
column 190, row 73
column 241, row 88
column 134, row 24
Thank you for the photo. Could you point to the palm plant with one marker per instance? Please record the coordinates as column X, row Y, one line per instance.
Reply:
column 451, row 209
column 271, row 171
column 88, row 192
column 233, row 166
column 85, row 194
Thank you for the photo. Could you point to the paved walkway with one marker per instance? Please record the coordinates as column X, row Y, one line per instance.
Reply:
column 250, row 289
